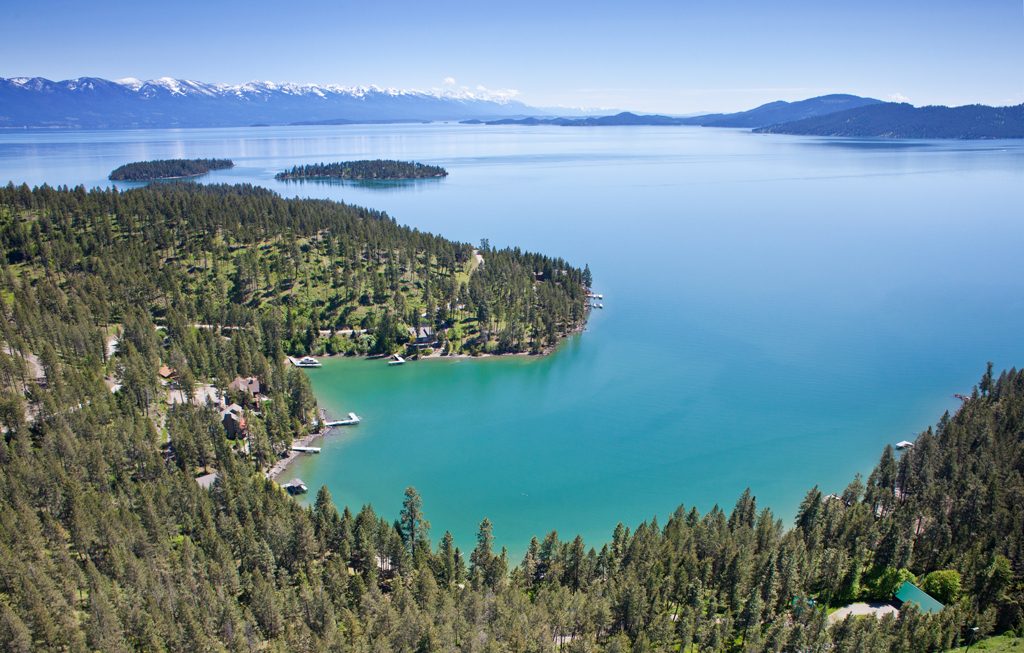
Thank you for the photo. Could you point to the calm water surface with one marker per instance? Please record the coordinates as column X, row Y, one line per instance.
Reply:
column 777, row 309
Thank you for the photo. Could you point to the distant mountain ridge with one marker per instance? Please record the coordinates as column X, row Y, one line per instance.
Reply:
column 780, row 111
column 766, row 114
column 892, row 120
column 92, row 102
column 830, row 115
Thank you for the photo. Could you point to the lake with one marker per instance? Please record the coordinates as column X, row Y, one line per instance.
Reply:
column 777, row 309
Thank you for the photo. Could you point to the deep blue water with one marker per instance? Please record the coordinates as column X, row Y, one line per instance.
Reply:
column 777, row 309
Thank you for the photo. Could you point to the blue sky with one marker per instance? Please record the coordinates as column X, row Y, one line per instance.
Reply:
column 676, row 57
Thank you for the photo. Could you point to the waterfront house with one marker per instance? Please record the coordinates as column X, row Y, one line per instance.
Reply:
column 248, row 384
column 422, row 337
column 233, row 419
column 295, row 486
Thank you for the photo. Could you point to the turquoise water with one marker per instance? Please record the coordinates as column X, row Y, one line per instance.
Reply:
column 777, row 309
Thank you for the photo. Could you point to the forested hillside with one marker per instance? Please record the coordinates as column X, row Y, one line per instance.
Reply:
column 108, row 543
column 312, row 276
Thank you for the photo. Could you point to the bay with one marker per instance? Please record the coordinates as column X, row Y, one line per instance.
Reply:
column 777, row 309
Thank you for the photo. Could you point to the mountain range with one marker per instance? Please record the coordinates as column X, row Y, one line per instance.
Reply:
column 95, row 103
column 766, row 114
column 92, row 102
column 828, row 115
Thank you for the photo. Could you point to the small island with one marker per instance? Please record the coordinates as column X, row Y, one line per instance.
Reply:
column 168, row 169
column 371, row 170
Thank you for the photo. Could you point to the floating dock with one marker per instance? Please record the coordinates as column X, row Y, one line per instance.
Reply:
column 396, row 360
column 306, row 449
column 351, row 420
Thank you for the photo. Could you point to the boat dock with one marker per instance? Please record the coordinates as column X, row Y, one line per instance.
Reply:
column 295, row 486
column 351, row 420
column 306, row 449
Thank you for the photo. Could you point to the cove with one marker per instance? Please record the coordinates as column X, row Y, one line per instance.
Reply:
column 777, row 309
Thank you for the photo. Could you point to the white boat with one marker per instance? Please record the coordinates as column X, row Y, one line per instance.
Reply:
column 352, row 420
column 307, row 361
column 396, row 360
column 904, row 444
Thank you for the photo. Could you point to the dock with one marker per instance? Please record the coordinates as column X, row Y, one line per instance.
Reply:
column 351, row 420
column 306, row 449
column 396, row 360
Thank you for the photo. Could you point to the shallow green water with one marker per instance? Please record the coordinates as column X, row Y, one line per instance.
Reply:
column 777, row 310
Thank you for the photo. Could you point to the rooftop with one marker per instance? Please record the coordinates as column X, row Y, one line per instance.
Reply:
column 910, row 593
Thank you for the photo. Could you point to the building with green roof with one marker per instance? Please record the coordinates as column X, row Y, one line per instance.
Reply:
column 910, row 593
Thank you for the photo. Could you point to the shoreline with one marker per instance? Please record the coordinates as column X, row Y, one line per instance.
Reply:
column 282, row 464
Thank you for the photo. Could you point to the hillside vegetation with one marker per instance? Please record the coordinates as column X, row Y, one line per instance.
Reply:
column 315, row 273
column 108, row 543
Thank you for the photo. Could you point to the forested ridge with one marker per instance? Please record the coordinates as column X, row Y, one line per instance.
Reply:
column 108, row 543
column 367, row 170
column 167, row 169
column 319, row 276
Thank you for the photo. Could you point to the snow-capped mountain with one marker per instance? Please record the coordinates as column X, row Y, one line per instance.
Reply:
column 92, row 102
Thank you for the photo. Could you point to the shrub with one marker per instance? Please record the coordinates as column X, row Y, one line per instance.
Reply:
column 943, row 584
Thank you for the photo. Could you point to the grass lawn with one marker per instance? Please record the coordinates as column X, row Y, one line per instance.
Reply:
column 1000, row 644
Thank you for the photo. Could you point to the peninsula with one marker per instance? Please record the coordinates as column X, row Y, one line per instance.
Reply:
column 168, row 169
column 365, row 170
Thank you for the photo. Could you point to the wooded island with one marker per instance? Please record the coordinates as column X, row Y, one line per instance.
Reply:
column 369, row 170
column 168, row 169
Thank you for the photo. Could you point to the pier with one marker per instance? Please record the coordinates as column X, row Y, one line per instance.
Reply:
column 351, row 420
column 306, row 449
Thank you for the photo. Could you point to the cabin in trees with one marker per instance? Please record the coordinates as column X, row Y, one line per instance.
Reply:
column 206, row 481
column 166, row 373
column 247, row 390
column 233, row 419
column 247, row 384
